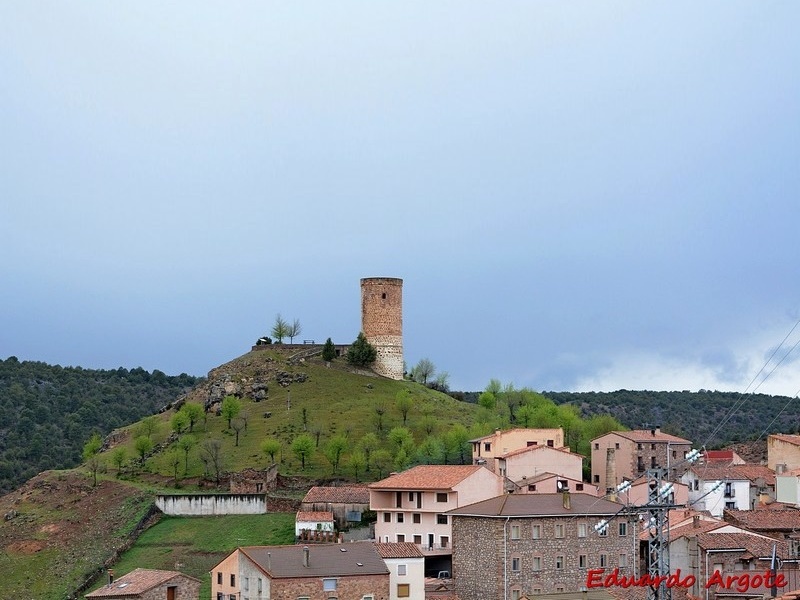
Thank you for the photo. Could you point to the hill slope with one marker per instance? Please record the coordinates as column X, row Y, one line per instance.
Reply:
column 48, row 412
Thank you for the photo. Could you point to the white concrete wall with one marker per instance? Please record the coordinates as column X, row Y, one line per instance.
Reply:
column 217, row 504
column 415, row 576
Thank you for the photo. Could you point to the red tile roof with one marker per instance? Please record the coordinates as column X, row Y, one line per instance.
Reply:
column 136, row 582
column 427, row 477
column 399, row 550
column 746, row 472
column 648, row 435
column 764, row 519
column 346, row 494
column 754, row 545
column 313, row 516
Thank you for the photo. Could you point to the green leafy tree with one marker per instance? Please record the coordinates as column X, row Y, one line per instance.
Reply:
column 302, row 447
column 361, row 353
column 525, row 415
column 328, row 351
column 91, row 454
column 179, row 422
column 280, row 329
column 118, row 457
column 194, row 412
column 403, row 403
column 402, row 459
column 456, row 442
column 271, row 447
column 487, row 400
column 367, row 444
column 231, row 407
column 431, row 451
column 334, row 449
column 185, row 444
column 400, row 437
column 149, row 426
column 428, row 424
column 293, row 330
column 143, row 445
column 381, row 459
column 356, row 461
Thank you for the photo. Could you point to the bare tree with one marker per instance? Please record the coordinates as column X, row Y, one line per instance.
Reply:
column 238, row 423
column 294, row 330
column 211, row 453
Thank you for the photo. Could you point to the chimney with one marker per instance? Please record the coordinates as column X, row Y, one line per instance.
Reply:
column 567, row 500
column 269, row 561
column 110, row 576
column 305, row 556
column 611, row 471
column 696, row 521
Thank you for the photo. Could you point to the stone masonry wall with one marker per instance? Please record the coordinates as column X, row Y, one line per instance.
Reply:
column 482, row 557
column 382, row 322
column 347, row 587
column 186, row 589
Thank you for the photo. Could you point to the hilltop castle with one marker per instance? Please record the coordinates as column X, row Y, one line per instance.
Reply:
column 382, row 322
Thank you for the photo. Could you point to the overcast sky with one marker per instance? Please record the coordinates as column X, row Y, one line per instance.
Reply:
column 577, row 195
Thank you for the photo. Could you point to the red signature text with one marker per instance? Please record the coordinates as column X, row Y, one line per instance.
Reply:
column 744, row 582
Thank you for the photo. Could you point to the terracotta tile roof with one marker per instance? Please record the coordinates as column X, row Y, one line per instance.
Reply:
column 427, row 477
column 689, row 530
column 647, row 435
column 754, row 545
column 346, row 494
column 310, row 515
column 514, row 430
column 399, row 550
column 538, row 447
column 137, row 581
column 325, row 560
column 746, row 472
column 765, row 519
column 539, row 505
column 785, row 437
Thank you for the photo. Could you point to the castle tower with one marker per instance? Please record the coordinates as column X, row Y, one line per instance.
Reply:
column 382, row 322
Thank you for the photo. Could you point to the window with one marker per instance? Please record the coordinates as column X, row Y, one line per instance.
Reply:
column 578, row 487
column 402, row 569
column 583, row 529
column 616, row 446
column 696, row 485
column 674, row 454
column 597, row 446
column 623, row 528
column 487, row 446
column 532, row 488
column 416, row 518
column 603, row 560
column 653, row 462
column 537, row 591
column 515, row 594
column 596, row 479
column 639, row 447
column 403, row 590
column 303, row 598
column 603, row 532
column 233, row 580
column 515, row 562
column 400, row 517
column 536, row 564
column 329, row 584
column 652, row 446
column 441, row 496
column 559, row 530
column 559, row 562
column 259, row 585
column 550, row 443
column 794, row 548
column 536, row 532
column 559, row 589
column 401, row 538
column 387, row 517
column 441, row 519
column 582, row 561
column 623, row 560
column 730, row 505
column 219, row 578
column 418, row 539
column 410, row 496
column 246, row 584
column 398, row 501
column 515, row 532
column 220, row 596
column 368, row 597
column 444, row 541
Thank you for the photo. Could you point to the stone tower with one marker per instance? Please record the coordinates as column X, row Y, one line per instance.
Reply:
column 382, row 322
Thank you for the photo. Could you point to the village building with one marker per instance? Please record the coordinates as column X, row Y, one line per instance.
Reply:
column 411, row 506
column 517, row 546
column 534, row 460
column 549, row 483
column 406, row 565
column 783, row 452
column 314, row 525
column 638, row 494
column 485, row 449
column 621, row 456
column 787, row 487
column 315, row 572
column 347, row 503
column 149, row 584
column 734, row 487
column 778, row 521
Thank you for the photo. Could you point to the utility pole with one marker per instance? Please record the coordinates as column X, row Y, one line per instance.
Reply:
column 657, row 514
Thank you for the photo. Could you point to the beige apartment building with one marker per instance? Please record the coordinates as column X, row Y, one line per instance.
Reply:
column 485, row 449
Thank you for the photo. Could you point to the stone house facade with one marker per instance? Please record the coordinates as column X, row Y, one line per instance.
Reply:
column 625, row 455
column 318, row 572
column 523, row 545
column 254, row 481
column 149, row 584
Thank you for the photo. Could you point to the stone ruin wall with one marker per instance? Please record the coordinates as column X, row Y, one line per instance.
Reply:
column 382, row 322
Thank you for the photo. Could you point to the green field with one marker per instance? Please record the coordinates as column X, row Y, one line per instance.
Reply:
column 193, row 545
